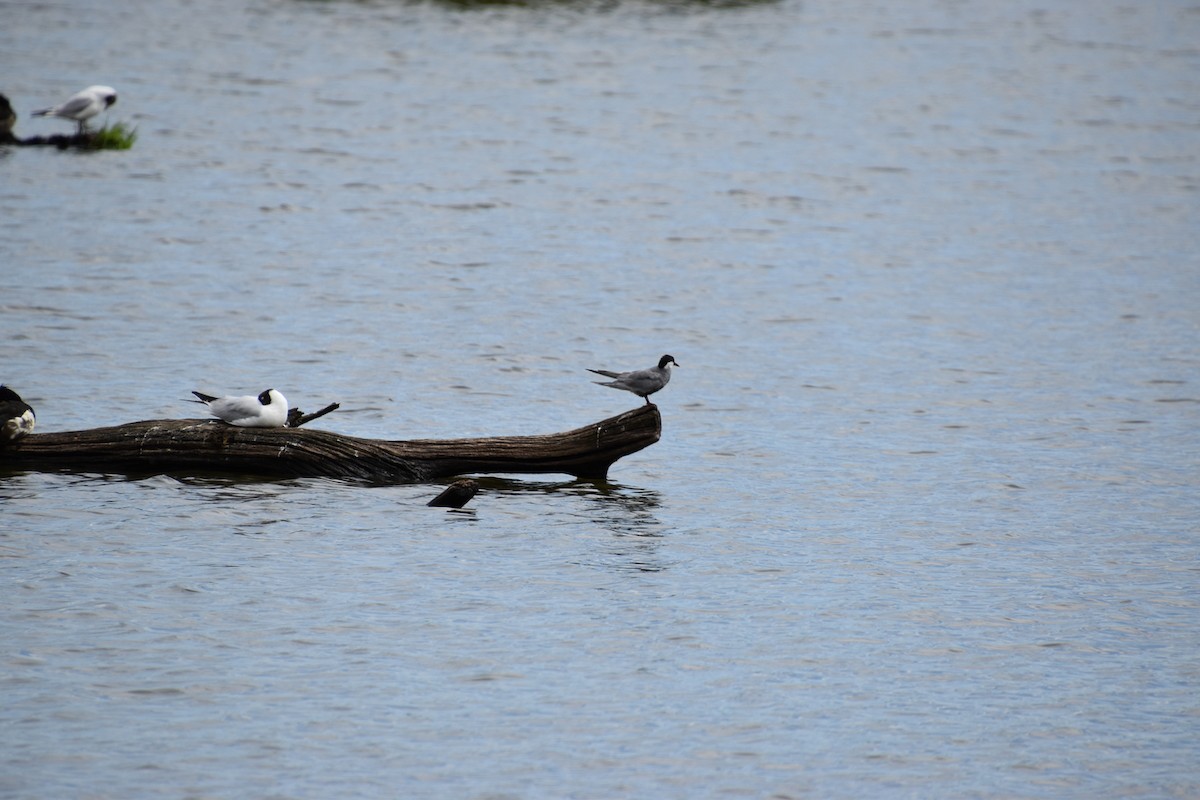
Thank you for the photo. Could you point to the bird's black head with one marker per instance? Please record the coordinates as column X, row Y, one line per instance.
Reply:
column 265, row 398
column 662, row 362
column 109, row 99
column 8, row 394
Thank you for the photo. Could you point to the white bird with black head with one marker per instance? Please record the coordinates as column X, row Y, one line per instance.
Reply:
column 268, row 410
column 82, row 106
column 642, row 382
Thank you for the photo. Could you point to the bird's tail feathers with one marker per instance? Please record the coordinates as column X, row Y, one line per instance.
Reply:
column 605, row 373
column 204, row 398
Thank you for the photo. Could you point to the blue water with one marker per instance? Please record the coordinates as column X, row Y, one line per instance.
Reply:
column 923, row 519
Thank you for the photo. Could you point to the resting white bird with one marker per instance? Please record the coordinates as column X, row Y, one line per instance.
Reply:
column 268, row 410
column 642, row 382
column 16, row 416
column 82, row 106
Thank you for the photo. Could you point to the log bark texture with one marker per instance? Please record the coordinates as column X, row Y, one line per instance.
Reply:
column 200, row 446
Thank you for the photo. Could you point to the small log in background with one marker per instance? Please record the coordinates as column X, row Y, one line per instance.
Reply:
column 197, row 446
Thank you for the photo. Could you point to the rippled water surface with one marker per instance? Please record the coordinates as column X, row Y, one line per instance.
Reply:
column 923, row 519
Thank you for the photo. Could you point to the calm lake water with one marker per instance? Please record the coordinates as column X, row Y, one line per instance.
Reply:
column 924, row 520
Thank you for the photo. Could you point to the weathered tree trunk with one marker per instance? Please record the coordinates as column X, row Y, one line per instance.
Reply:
column 163, row 446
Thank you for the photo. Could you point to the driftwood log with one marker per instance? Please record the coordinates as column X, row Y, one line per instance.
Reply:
column 84, row 141
column 208, row 446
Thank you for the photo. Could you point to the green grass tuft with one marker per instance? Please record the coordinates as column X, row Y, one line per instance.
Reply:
column 117, row 136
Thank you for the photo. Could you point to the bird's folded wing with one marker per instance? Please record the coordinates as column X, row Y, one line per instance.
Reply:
column 73, row 106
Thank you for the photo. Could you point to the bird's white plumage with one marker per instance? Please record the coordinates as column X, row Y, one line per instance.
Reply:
column 268, row 410
column 16, row 416
column 18, row 425
column 82, row 106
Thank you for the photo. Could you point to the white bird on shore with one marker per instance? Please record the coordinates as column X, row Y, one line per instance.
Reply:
column 268, row 410
column 82, row 106
column 642, row 382
column 16, row 416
